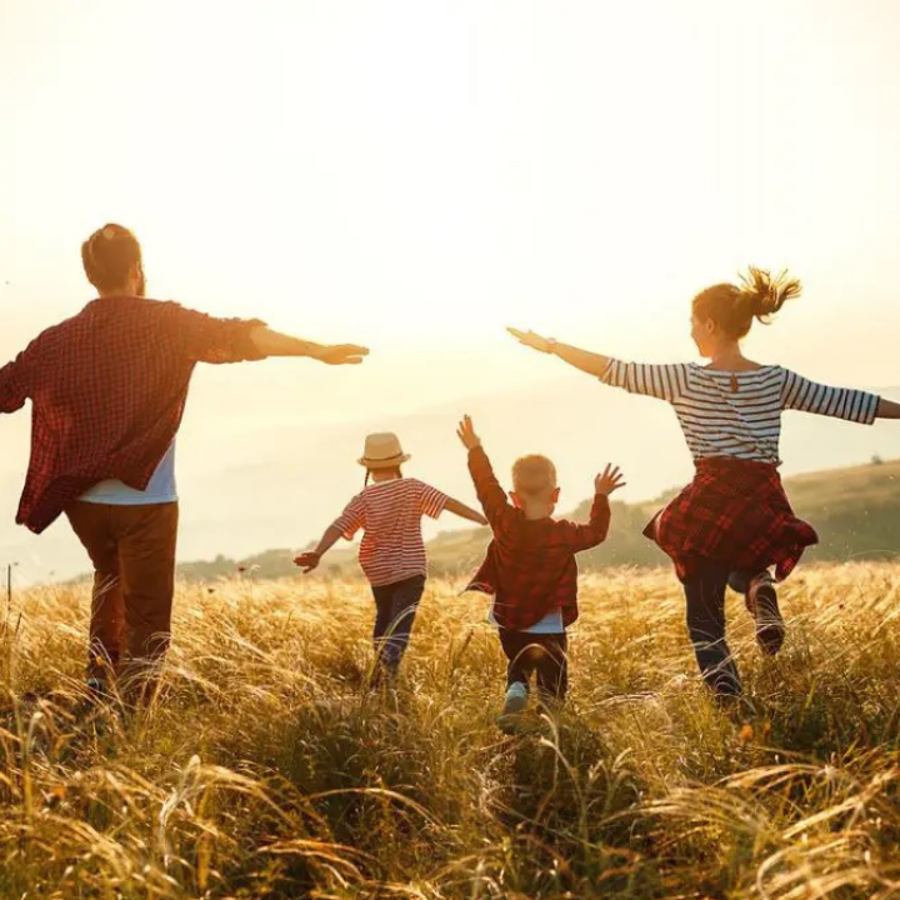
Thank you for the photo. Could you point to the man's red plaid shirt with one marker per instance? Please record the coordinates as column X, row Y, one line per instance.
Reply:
column 530, row 564
column 108, row 389
column 734, row 512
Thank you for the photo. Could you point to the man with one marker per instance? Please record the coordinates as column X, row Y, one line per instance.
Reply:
column 108, row 389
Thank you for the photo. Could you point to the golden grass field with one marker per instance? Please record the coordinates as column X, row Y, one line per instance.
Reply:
column 266, row 769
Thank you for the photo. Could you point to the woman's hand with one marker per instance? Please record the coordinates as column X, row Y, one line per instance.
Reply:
column 307, row 561
column 342, row 354
column 532, row 339
column 611, row 480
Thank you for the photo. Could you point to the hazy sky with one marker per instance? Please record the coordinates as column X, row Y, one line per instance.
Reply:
column 430, row 171
column 417, row 175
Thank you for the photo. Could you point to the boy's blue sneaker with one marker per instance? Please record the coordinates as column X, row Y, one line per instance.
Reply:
column 514, row 703
column 516, row 699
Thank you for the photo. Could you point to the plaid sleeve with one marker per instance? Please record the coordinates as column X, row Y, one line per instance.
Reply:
column 431, row 500
column 13, row 386
column 352, row 518
column 841, row 403
column 663, row 382
column 583, row 537
column 204, row 338
column 491, row 496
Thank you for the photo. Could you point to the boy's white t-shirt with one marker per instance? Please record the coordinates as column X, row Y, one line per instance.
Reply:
column 552, row 623
column 160, row 489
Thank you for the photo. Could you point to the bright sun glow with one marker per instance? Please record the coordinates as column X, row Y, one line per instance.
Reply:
column 382, row 172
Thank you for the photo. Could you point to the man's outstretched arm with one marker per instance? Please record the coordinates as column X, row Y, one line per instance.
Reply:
column 274, row 343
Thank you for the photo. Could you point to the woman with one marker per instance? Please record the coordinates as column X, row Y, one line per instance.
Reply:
column 733, row 523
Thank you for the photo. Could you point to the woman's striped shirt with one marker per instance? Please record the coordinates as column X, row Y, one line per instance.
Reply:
column 390, row 515
column 737, row 414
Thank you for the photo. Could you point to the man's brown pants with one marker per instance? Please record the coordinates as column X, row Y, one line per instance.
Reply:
column 133, row 552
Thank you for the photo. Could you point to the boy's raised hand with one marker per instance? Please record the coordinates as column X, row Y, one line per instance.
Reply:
column 307, row 561
column 466, row 433
column 611, row 480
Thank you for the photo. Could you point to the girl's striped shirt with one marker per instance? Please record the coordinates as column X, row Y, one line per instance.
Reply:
column 390, row 515
column 737, row 414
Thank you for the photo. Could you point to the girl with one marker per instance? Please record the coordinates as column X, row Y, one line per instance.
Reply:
column 392, row 553
column 733, row 522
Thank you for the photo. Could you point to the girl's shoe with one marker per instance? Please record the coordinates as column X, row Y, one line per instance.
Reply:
column 97, row 688
column 762, row 602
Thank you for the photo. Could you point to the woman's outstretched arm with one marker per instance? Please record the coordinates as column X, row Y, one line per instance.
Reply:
column 592, row 363
column 887, row 409
column 665, row 382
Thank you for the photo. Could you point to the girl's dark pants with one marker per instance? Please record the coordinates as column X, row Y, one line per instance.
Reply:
column 705, row 593
column 396, row 606
column 544, row 654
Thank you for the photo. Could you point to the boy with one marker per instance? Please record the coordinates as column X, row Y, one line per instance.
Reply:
column 530, row 566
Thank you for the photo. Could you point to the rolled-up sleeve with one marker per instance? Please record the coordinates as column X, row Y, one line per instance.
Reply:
column 801, row 394
column 205, row 338
column 13, row 385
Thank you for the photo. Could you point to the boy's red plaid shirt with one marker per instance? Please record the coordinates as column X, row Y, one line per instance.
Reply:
column 530, row 564
column 734, row 512
column 108, row 389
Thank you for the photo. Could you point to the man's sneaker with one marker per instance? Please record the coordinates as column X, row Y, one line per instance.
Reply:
column 762, row 602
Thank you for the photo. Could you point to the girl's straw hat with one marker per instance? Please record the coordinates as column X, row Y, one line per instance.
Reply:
column 383, row 451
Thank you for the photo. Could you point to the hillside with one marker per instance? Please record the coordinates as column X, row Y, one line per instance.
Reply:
column 856, row 512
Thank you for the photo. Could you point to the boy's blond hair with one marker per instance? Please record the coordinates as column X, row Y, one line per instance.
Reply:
column 533, row 475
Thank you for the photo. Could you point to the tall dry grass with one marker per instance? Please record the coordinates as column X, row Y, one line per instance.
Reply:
column 266, row 768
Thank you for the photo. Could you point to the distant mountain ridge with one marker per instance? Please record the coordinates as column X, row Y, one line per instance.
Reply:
column 856, row 512
column 247, row 484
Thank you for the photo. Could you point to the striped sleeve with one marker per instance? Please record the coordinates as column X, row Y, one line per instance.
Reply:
column 667, row 382
column 431, row 500
column 841, row 403
column 352, row 518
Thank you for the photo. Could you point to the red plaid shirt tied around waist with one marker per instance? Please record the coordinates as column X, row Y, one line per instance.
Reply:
column 734, row 512
column 530, row 564
column 108, row 389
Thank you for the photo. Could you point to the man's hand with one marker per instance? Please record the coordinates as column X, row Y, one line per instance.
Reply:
column 531, row 339
column 466, row 433
column 609, row 481
column 342, row 354
column 307, row 561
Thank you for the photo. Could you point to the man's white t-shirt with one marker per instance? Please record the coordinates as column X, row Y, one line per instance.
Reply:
column 160, row 489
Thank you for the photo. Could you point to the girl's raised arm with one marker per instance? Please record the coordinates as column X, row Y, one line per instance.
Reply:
column 464, row 512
